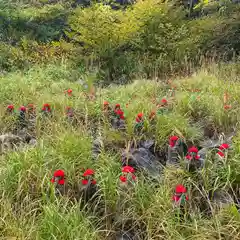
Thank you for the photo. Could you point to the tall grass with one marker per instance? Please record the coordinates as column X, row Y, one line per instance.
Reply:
column 27, row 212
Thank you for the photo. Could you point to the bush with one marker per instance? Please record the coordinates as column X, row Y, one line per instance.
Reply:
column 151, row 38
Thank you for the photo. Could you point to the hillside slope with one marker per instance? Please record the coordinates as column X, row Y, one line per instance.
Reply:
column 27, row 211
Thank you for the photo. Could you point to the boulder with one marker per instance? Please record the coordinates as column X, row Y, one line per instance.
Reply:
column 142, row 158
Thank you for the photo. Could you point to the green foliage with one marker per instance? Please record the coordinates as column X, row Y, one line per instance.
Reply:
column 149, row 38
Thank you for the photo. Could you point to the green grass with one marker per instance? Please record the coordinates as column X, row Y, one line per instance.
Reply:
column 27, row 213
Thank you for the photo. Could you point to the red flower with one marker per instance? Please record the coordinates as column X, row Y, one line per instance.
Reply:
column 128, row 169
column 220, row 154
column 61, row 181
column 193, row 150
column 134, row 177
column 84, row 181
column 105, row 103
column 10, row 107
column 120, row 113
column 189, row 157
column 173, row 140
column 88, row 172
column 94, row 182
column 46, row 105
column 224, row 146
column 69, row 92
column 123, row 179
column 139, row 117
column 180, row 189
column 23, row 109
column 226, row 107
column 31, row 107
column 164, row 101
column 117, row 106
column 59, row 173
column 176, row 198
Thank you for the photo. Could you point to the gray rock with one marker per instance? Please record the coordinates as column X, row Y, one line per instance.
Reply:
column 97, row 147
column 142, row 158
column 118, row 124
column 222, row 199
column 9, row 142
column 147, row 144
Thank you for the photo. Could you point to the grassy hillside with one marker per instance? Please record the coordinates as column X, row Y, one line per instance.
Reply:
column 154, row 49
column 26, row 210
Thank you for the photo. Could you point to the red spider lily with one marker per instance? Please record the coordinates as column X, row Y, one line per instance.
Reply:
column 193, row 150
column 128, row 169
column 117, row 106
column 220, row 154
column 173, row 140
column 139, row 117
column 123, row 179
column 23, row 109
column 46, row 107
column 190, row 151
column 164, row 101
column 88, row 172
column 94, row 182
column 176, row 198
column 226, row 107
column 84, row 181
column 134, row 177
column 119, row 113
column 224, row 146
column 69, row 92
column 179, row 190
column 31, row 107
column 10, row 107
column 58, row 174
column 189, row 157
